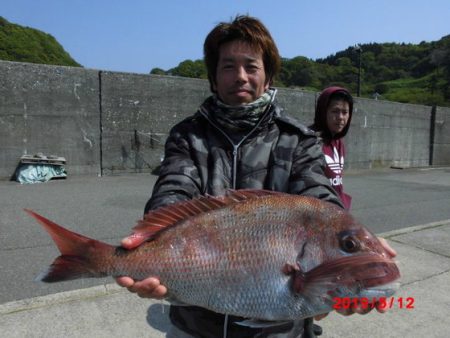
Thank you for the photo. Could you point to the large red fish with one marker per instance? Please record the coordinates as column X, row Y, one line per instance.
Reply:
column 256, row 254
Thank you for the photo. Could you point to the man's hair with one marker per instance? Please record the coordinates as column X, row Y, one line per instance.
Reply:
column 249, row 30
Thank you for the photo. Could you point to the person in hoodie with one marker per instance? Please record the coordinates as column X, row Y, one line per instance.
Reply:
column 240, row 138
column 332, row 119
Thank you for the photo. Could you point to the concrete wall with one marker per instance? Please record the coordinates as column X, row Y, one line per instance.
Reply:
column 53, row 110
column 386, row 134
column 137, row 113
column 108, row 122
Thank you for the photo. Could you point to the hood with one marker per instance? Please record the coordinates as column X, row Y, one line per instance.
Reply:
column 320, row 122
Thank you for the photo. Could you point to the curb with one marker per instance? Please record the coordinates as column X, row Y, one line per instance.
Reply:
column 60, row 298
column 398, row 232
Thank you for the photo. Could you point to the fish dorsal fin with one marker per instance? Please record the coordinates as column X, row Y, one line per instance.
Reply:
column 243, row 194
column 156, row 220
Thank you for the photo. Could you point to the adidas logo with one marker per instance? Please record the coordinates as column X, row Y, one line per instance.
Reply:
column 335, row 163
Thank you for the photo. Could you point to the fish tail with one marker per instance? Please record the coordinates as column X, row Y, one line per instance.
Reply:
column 63, row 269
column 81, row 256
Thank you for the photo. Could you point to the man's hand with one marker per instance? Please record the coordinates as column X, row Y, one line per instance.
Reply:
column 147, row 288
column 387, row 247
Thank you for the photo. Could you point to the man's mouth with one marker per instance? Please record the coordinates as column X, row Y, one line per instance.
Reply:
column 241, row 90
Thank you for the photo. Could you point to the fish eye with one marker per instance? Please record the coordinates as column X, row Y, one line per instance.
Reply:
column 349, row 243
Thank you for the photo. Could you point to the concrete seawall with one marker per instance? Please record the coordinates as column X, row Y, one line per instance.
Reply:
column 110, row 122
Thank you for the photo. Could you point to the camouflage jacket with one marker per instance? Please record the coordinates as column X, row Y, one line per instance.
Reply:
column 201, row 158
column 279, row 154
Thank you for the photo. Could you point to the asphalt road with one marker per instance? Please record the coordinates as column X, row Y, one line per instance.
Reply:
column 106, row 208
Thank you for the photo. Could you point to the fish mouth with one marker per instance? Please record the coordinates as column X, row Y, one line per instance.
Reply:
column 368, row 271
column 376, row 273
column 369, row 276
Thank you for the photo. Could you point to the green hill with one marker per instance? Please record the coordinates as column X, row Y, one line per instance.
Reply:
column 24, row 44
column 409, row 73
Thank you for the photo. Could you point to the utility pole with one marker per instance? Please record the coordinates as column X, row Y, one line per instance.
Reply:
column 359, row 50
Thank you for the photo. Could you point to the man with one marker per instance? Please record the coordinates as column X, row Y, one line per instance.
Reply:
column 239, row 138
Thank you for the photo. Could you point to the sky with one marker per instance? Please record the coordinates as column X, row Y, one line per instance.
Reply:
column 139, row 35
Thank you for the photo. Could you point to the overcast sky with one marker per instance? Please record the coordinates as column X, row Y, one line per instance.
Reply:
column 138, row 35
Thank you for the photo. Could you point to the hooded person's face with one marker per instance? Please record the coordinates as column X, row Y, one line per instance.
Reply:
column 338, row 113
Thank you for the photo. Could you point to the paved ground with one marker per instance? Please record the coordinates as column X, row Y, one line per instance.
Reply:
column 392, row 200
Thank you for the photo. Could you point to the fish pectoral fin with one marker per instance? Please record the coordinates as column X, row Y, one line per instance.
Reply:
column 260, row 324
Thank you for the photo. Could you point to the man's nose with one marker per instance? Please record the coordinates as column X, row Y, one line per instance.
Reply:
column 241, row 74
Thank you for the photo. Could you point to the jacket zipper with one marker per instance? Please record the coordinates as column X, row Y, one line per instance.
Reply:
column 235, row 146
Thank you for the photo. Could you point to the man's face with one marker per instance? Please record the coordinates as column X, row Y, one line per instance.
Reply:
column 240, row 76
column 338, row 113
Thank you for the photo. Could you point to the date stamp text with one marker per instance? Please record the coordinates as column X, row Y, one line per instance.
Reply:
column 345, row 303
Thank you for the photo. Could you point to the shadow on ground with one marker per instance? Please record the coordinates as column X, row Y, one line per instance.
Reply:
column 158, row 317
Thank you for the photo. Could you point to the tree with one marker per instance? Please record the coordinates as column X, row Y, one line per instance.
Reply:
column 158, row 71
column 189, row 68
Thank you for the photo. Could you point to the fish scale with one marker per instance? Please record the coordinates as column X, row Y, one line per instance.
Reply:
column 238, row 271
